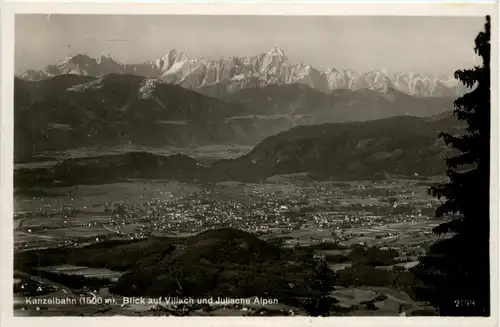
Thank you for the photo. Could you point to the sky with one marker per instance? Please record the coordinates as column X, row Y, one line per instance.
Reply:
column 432, row 45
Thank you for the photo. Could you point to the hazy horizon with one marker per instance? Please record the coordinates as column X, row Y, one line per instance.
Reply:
column 431, row 45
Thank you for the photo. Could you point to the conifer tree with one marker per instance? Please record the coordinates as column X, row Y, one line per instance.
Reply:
column 322, row 283
column 455, row 271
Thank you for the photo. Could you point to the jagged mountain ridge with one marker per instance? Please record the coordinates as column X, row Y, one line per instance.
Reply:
column 228, row 75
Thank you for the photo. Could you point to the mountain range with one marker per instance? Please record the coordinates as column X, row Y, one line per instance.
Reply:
column 305, row 104
column 228, row 75
column 74, row 111
column 71, row 111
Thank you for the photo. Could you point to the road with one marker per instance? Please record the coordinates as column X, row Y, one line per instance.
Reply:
column 42, row 280
column 18, row 222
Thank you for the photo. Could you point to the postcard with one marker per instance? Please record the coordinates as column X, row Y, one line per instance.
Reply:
column 295, row 164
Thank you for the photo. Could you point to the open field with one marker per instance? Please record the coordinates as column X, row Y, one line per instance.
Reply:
column 205, row 154
column 83, row 271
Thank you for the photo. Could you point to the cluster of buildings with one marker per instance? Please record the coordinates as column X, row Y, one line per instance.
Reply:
column 261, row 209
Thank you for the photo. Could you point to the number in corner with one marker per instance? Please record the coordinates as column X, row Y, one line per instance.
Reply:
column 464, row 303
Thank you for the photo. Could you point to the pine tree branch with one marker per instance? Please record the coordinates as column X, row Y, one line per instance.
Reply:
column 464, row 143
column 437, row 191
column 453, row 226
column 450, row 206
column 467, row 158
column 468, row 101
column 483, row 48
column 465, row 178
column 469, row 77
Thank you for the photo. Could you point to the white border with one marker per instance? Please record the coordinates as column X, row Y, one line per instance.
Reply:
column 225, row 8
column 270, row 8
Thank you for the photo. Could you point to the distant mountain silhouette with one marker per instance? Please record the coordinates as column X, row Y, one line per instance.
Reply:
column 341, row 105
column 396, row 146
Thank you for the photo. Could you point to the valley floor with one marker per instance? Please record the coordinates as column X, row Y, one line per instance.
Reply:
column 291, row 211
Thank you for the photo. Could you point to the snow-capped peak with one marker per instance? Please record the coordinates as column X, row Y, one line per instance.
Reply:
column 276, row 50
column 105, row 58
column 234, row 73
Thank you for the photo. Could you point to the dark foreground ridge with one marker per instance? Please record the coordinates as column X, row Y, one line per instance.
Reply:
column 216, row 263
column 224, row 262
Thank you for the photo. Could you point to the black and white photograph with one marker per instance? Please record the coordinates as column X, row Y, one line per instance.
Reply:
column 252, row 165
